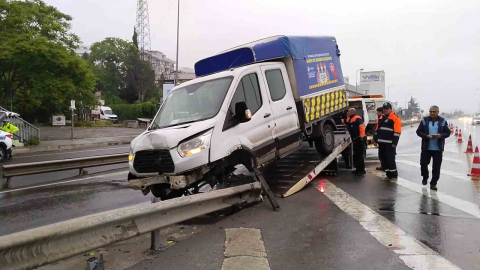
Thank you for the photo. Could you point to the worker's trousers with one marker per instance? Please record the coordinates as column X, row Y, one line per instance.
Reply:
column 387, row 153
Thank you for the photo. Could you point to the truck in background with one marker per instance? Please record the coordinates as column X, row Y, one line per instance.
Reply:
column 106, row 113
column 248, row 106
column 366, row 107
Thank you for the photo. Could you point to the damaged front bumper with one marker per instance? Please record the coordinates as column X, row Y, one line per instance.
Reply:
column 176, row 181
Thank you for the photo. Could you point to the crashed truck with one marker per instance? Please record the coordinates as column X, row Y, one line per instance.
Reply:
column 249, row 105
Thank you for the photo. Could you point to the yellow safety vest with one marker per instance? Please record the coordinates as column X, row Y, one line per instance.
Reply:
column 9, row 128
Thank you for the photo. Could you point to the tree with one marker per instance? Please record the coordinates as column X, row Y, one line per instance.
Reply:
column 121, row 71
column 38, row 67
column 413, row 106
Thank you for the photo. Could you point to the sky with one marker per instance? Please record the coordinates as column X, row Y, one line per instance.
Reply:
column 429, row 49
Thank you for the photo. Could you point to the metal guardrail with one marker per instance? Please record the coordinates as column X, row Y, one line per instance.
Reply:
column 12, row 170
column 44, row 245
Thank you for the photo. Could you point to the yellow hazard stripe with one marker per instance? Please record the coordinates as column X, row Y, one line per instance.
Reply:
column 318, row 106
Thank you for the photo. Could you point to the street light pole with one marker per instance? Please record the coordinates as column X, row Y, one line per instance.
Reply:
column 356, row 81
column 178, row 35
column 388, row 90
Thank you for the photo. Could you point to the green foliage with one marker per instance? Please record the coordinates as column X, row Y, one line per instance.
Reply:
column 38, row 66
column 121, row 71
column 32, row 141
column 134, row 111
column 99, row 123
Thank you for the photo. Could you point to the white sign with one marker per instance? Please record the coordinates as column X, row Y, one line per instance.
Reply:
column 98, row 94
column 58, row 120
column 370, row 78
column 167, row 87
column 72, row 104
column 102, row 102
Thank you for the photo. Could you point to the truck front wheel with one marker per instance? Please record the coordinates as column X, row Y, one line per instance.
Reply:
column 326, row 142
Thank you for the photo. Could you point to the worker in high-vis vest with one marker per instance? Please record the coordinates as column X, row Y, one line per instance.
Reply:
column 356, row 128
column 389, row 129
column 7, row 127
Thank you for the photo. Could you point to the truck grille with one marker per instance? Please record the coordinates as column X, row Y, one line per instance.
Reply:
column 152, row 161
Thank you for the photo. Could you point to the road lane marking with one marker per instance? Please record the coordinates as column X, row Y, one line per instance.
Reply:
column 462, row 205
column 244, row 250
column 66, row 182
column 444, row 158
column 412, row 252
column 72, row 152
column 445, row 172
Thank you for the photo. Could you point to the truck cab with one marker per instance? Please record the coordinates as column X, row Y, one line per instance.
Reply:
column 236, row 114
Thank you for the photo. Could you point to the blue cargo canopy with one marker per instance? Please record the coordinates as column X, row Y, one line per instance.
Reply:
column 316, row 60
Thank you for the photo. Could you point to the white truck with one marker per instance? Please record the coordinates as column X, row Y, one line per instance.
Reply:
column 368, row 104
column 250, row 106
column 106, row 113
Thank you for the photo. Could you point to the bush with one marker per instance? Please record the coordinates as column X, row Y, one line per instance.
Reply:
column 134, row 111
column 32, row 141
column 99, row 123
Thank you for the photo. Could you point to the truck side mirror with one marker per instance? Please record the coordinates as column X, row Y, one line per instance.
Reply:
column 242, row 113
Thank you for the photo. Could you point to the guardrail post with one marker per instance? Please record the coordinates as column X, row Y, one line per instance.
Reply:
column 155, row 235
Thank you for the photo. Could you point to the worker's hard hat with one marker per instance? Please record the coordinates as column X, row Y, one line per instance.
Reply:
column 387, row 105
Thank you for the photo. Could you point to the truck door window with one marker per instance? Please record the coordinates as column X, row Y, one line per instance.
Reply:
column 276, row 84
column 248, row 90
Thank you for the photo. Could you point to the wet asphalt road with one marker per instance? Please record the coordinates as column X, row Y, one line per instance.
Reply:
column 310, row 231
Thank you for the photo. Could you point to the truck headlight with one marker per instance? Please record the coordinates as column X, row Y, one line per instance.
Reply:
column 130, row 155
column 195, row 145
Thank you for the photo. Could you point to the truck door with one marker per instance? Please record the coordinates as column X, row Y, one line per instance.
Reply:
column 257, row 134
column 287, row 133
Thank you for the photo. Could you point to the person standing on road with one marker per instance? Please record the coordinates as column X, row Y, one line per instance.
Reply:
column 356, row 128
column 380, row 154
column 388, row 132
column 433, row 130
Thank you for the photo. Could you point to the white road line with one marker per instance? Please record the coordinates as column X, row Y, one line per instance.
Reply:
column 71, row 152
column 462, row 205
column 444, row 158
column 413, row 253
column 445, row 172
column 244, row 250
column 65, row 182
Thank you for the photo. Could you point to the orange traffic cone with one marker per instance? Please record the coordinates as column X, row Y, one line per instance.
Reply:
column 460, row 137
column 469, row 146
column 476, row 164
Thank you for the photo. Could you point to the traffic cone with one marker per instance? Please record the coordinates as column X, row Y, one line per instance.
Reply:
column 456, row 131
column 460, row 137
column 469, row 146
column 476, row 164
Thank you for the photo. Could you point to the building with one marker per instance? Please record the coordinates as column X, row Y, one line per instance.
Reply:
column 184, row 74
column 161, row 64
column 82, row 49
column 373, row 82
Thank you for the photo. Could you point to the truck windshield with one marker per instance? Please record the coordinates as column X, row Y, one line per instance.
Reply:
column 193, row 103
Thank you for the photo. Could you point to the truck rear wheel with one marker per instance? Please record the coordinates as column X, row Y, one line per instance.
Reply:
column 326, row 142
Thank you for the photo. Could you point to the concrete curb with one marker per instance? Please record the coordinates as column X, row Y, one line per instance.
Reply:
column 39, row 149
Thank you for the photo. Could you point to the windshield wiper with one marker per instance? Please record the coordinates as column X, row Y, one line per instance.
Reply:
column 154, row 126
column 183, row 123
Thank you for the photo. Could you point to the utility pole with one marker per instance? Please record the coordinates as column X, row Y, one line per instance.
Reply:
column 178, row 36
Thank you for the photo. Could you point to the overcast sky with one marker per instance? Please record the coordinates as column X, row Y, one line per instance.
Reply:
column 427, row 48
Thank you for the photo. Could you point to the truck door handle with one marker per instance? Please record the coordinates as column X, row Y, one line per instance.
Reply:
column 267, row 115
column 289, row 108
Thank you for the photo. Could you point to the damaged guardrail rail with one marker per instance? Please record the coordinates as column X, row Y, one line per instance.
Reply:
column 40, row 246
